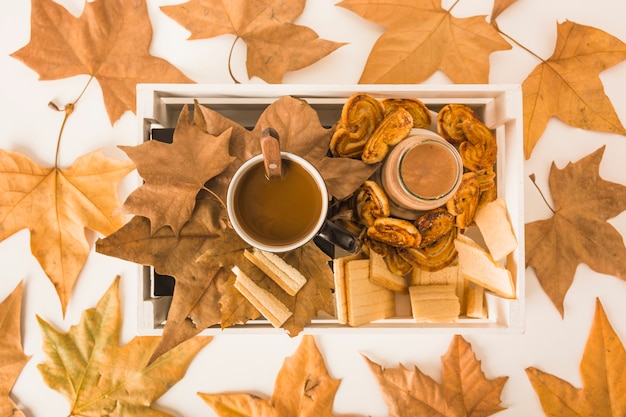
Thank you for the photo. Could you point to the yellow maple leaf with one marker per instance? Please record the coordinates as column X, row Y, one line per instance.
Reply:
column 56, row 205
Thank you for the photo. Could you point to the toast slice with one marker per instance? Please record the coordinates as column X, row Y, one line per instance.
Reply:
column 434, row 303
column 286, row 276
column 268, row 305
column 366, row 301
column 495, row 226
column 381, row 275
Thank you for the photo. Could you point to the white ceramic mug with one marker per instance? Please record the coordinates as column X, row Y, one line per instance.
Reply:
column 259, row 233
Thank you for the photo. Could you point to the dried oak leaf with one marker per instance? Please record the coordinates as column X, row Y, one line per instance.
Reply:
column 56, row 205
column 602, row 370
column 578, row 232
column 274, row 44
column 300, row 131
column 303, row 388
column 174, row 173
column 98, row 376
column 199, row 285
column 421, row 37
column 110, row 41
column 11, row 351
column 465, row 391
column 568, row 86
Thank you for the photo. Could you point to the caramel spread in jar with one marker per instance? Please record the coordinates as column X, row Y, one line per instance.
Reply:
column 428, row 170
column 422, row 172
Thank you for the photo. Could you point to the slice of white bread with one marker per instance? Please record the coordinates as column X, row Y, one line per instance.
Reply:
column 381, row 275
column 476, row 308
column 495, row 226
column 285, row 275
column 366, row 301
column 478, row 266
column 341, row 303
column 449, row 275
column 434, row 303
column 268, row 305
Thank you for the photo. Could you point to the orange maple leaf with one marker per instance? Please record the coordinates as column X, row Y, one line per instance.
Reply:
column 56, row 205
column 110, row 41
column 11, row 351
column 275, row 45
column 578, row 232
column 603, row 374
column 465, row 391
column 303, row 388
column 421, row 38
column 568, row 86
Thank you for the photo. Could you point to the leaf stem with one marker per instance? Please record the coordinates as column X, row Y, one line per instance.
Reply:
column 517, row 43
column 230, row 56
column 68, row 109
column 532, row 178
column 215, row 196
column 452, row 7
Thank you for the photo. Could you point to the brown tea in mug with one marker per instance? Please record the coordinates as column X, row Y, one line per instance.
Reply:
column 279, row 211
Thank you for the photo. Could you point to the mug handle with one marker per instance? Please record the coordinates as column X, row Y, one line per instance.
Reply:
column 340, row 237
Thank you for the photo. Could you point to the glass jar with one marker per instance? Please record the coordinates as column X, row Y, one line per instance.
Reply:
column 422, row 172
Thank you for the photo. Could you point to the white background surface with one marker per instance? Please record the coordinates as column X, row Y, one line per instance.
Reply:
column 250, row 363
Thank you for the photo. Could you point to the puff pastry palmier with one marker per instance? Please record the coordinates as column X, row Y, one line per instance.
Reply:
column 395, row 232
column 395, row 127
column 418, row 110
column 371, row 203
column 450, row 119
column 434, row 224
column 360, row 115
column 465, row 201
column 480, row 149
column 435, row 256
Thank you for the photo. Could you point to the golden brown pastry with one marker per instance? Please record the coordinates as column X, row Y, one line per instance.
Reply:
column 395, row 126
column 395, row 232
column 360, row 115
column 396, row 263
column 449, row 121
column 465, row 201
column 479, row 150
column 435, row 256
column 419, row 111
column 371, row 203
column 434, row 224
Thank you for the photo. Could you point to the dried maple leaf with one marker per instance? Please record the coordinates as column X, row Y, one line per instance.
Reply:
column 465, row 391
column 98, row 376
column 175, row 173
column 110, row 41
column 300, row 131
column 568, row 86
column 603, row 373
column 498, row 7
column 578, row 232
column 421, row 37
column 303, row 388
column 195, row 305
column 56, row 205
column 11, row 352
column 274, row 44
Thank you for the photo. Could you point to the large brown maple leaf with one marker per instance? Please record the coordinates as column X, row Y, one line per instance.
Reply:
column 421, row 37
column 110, row 41
column 465, row 391
column 603, row 374
column 568, row 86
column 300, row 131
column 175, row 173
column 98, row 376
column 303, row 388
column 11, row 351
column 578, row 232
column 56, row 205
column 274, row 44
